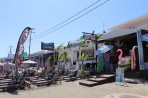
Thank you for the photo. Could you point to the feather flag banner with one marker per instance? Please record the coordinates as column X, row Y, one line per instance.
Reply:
column 20, row 45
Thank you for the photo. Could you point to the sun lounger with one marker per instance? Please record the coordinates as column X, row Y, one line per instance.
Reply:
column 2, row 82
column 45, row 82
column 9, row 83
column 9, row 86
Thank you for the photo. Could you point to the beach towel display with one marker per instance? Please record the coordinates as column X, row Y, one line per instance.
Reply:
column 104, row 57
column 101, row 63
column 107, row 61
column 123, row 61
column 100, row 66
column 133, row 58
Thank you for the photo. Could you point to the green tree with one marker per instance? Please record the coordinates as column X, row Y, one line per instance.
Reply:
column 69, row 45
column 65, row 58
column 58, row 56
column 83, row 58
column 48, row 59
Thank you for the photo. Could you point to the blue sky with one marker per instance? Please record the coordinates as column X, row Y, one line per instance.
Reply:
column 45, row 14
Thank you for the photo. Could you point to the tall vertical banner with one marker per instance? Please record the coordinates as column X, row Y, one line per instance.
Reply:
column 20, row 45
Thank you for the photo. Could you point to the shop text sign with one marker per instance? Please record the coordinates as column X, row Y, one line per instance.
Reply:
column 47, row 46
column 89, row 37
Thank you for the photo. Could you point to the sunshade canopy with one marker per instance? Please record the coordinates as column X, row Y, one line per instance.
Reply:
column 103, row 49
column 29, row 62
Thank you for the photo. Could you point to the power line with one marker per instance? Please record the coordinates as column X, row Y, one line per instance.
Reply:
column 72, row 20
column 69, row 18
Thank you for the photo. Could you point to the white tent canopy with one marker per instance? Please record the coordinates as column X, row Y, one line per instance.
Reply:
column 29, row 62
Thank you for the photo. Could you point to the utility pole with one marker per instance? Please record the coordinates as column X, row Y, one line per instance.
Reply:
column 104, row 27
column 10, row 53
column 30, row 42
column 10, row 49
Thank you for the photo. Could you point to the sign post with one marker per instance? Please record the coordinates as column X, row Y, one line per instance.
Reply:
column 120, row 75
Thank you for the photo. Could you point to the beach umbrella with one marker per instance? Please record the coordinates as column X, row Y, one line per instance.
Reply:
column 145, row 37
column 103, row 49
column 29, row 62
column 1, row 64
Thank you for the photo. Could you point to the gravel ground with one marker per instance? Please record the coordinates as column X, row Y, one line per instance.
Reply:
column 74, row 90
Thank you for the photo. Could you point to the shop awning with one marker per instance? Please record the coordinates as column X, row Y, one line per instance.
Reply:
column 117, row 33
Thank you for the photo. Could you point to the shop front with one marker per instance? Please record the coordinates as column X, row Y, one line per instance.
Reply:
column 130, row 49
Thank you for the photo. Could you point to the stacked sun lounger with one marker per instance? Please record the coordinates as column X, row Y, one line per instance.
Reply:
column 8, row 83
column 38, row 81
column 70, row 76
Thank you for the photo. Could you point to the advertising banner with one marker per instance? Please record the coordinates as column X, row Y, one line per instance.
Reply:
column 20, row 45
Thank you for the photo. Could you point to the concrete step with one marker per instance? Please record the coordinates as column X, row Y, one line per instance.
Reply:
column 92, row 76
column 88, row 83
column 99, row 80
column 106, row 75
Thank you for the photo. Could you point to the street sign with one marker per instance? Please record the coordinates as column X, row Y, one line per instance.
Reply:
column 24, row 53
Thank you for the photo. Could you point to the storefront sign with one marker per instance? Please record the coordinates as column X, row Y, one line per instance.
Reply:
column 86, row 44
column 89, row 37
column 47, row 46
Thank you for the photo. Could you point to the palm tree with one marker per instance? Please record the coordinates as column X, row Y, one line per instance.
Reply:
column 83, row 58
column 95, row 43
column 69, row 45
column 65, row 58
column 49, row 58
column 59, row 56
column 58, row 48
